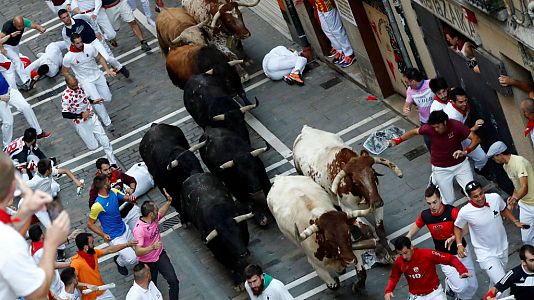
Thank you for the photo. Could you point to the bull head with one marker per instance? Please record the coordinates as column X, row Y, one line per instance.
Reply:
column 254, row 153
column 243, row 109
column 173, row 164
column 191, row 35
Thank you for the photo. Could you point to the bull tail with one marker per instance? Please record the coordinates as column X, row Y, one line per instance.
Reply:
column 163, row 46
column 175, row 79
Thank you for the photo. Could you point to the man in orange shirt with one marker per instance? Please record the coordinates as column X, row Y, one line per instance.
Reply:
column 86, row 263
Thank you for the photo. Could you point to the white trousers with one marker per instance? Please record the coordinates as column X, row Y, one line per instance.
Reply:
column 97, row 89
column 16, row 100
column 526, row 215
column 12, row 52
column 120, row 11
column 10, row 77
column 105, row 25
column 53, row 49
column 444, row 177
column 145, row 4
column 133, row 216
column 437, row 294
column 54, row 8
column 334, row 30
column 465, row 288
column 127, row 255
column 281, row 61
column 495, row 267
column 105, row 51
column 106, row 296
column 93, row 135
column 478, row 155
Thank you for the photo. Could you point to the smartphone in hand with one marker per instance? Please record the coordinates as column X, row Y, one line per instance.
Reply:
column 54, row 208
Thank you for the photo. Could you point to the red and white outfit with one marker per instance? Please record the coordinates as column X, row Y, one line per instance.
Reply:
column 281, row 61
column 333, row 27
column 56, row 5
column 529, row 131
column 90, row 77
column 52, row 57
column 37, row 250
column 478, row 155
column 90, row 130
column 94, row 8
column 437, row 104
column 420, row 272
column 116, row 10
column 488, row 235
column 9, row 72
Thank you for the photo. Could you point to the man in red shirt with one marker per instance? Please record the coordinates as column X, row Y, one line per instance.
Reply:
column 419, row 268
column 447, row 155
column 439, row 219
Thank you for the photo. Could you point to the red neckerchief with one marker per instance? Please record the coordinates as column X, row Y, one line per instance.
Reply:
column 6, row 218
column 89, row 258
column 463, row 112
column 529, row 127
column 36, row 246
column 436, row 98
column 476, row 205
column 74, row 49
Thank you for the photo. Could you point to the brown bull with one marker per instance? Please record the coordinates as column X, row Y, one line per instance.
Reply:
column 175, row 27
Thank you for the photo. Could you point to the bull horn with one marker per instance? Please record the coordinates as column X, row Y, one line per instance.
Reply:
column 197, row 146
column 218, row 117
column 235, row 62
column 240, row 3
column 365, row 244
column 308, row 231
column 172, row 165
column 209, row 72
column 227, row 164
column 247, row 108
column 358, row 213
column 242, row 218
column 337, row 181
column 211, row 236
column 257, row 152
column 389, row 164
column 216, row 17
column 199, row 25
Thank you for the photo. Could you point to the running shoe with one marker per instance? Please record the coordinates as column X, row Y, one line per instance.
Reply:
column 347, row 61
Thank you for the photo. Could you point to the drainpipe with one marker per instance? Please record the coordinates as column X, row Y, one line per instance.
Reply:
column 292, row 13
column 398, row 8
column 397, row 34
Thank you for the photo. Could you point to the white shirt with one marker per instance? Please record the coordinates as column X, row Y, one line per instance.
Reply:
column 436, row 105
column 486, row 229
column 67, row 296
column 454, row 113
column 19, row 275
column 53, row 57
column 83, row 64
column 40, row 182
column 85, row 5
column 137, row 292
column 274, row 291
column 57, row 285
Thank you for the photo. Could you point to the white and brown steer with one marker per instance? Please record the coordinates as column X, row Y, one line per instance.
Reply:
column 305, row 215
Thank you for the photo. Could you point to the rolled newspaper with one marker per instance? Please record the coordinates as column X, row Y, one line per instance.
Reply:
column 100, row 288
column 79, row 189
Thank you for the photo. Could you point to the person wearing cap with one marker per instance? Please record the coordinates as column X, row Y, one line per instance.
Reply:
column 447, row 155
column 520, row 172
column 482, row 215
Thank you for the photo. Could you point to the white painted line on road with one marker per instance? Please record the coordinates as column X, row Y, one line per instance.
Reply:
column 363, row 122
column 267, row 135
column 24, row 41
column 276, row 165
column 365, row 134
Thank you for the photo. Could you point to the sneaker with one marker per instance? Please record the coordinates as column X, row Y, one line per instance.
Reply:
column 294, row 78
column 122, row 270
column 347, row 61
column 28, row 85
column 144, row 46
column 44, row 135
column 110, row 128
column 151, row 22
column 61, row 255
column 113, row 43
column 338, row 58
column 332, row 53
column 124, row 72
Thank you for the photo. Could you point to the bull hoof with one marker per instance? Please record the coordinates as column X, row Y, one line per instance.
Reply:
column 263, row 220
column 244, row 78
column 334, row 285
column 239, row 288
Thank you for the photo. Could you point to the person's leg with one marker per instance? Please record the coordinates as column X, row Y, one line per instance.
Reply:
column 103, row 88
column 324, row 18
column 133, row 215
column 338, row 32
column 148, row 12
column 154, row 272
column 100, row 135
column 127, row 255
column 18, row 101
column 102, row 113
column 7, row 123
column 85, row 131
column 463, row 174
column 12, row 52
column 300, row 64
column 105, row 25
column 167, row 271
column 276, row 67
column 443, row 178
column 493, row 268
column 10, row 77
column 526, row 215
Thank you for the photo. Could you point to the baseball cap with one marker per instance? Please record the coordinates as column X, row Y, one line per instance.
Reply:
column 496, row 148
column 471, row 186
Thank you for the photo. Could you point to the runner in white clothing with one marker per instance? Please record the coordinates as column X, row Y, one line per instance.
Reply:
column 93, row 8
column 262, row 286
column 77, row 107
column 56, row 5
column 283, row 63
column 49, row 62
column 440, row 88
column 483, row 215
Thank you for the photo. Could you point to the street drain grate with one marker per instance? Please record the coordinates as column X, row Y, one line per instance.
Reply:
column 171, row 223
column 415, row 153
column 330, row 83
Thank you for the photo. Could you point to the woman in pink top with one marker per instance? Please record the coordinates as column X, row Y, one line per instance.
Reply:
column 419, row 94
column 150, row 248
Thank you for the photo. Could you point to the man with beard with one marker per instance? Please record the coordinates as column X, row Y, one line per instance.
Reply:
column 263, row 286
column 85, row 262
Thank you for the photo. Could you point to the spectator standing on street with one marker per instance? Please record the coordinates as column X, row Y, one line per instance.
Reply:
column 520, row 280
column 19, row 275
column 121, row 181
column 483, row 216
column 419, row 267
column 520, row 172
column 440, row 89
column 150, row 248
column 112, row 230
column 10, row 48
column 262, row 286
column 419, row 94
column 76, row 106
column 447, row 156
column 85, row 262
column 143, row 288
column 439, row 219
column 284, row 63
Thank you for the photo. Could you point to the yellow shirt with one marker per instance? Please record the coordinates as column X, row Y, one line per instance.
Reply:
column 516, row 168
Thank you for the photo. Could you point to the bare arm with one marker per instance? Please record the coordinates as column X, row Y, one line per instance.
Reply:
column 140, row 251
column 102, row 61
column 91, row 224
column 525, row 86
column 165, row 207
column 119, row 247
column 413, row 230
column 68, row 172
column 65, row 71
column 508, row 214
column 406, row 136
column 38, row 27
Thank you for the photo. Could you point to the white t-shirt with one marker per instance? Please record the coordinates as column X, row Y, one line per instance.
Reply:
column 274, row 291
column 57, row 285
column 436, row 105
column 454, row 113
column 53, row 57
column 137, row 292
column 40, row 182
column 486, row 229
column 66, row 296
column 19, row 275
column 83, row 64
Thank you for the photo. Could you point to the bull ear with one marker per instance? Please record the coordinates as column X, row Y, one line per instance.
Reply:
column 364, row 153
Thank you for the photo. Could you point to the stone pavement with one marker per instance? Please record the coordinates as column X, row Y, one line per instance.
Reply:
column 148, row 96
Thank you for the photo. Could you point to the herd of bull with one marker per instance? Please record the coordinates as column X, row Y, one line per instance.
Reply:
column 321, row 210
